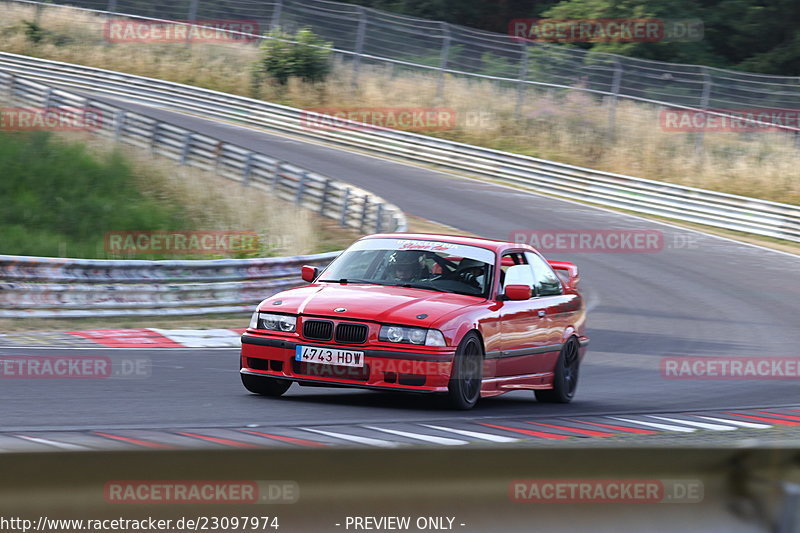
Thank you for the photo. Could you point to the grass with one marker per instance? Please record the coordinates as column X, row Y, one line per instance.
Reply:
column 566, row 126
column 63, row 192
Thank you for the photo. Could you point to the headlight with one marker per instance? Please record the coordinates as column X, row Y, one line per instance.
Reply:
column 253, row 321
column 419, row 336
column 272, row 322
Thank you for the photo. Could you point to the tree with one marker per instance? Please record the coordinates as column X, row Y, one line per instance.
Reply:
column 303, row 55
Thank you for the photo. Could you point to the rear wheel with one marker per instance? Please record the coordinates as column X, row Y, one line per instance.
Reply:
column 265, row 386
column 464, row 388
column 565, row 381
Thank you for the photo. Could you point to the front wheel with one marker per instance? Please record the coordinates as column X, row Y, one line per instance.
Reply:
column 464, row 388
column 265, row 386
column 565, row 380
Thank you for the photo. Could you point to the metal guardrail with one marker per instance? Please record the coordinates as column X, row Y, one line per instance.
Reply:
column 677, row 202
column 55, row 287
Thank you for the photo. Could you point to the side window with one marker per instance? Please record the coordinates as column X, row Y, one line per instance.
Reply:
column 547, row 283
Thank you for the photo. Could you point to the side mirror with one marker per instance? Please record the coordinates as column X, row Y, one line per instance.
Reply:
column 518, row 292
column 308, row 273
column 568, row 272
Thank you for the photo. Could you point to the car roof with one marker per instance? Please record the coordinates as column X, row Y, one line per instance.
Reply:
column 491, row 244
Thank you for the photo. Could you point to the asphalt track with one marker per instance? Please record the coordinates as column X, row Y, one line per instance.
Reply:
column 701, row 296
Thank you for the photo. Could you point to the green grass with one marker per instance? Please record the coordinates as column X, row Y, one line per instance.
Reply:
column 59, row 199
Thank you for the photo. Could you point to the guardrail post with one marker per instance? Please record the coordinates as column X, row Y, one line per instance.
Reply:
column 298, row 198
column 276, row 175
column 345, row 206
column 192, row 15
column 364, row 211
column 704, row 101
column 112, row 6
column 359, row 50
column 154, row 136
column 379, row 218
column 48, row 95
column 248, row 169
column 187, row 147
column 119, row 124
column 616, row 82
column 325, row 191
column 444, row 58
column 276, row 15
column 523, row 75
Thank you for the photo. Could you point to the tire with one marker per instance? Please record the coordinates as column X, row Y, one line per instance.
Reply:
column 464, row 389
column 565, row 380
column 265, row 386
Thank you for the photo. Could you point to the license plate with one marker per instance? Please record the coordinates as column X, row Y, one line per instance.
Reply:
column 329, row 356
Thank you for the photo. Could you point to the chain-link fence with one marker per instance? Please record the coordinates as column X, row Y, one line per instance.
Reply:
column 367, row 36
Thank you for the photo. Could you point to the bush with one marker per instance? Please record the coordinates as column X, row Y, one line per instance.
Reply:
column 303, row 55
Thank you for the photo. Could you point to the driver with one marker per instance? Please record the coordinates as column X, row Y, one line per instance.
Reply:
column 406, row 266
column 471, row 271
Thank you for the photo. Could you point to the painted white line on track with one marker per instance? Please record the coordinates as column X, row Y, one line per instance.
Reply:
column 425, row 438
column 474, row 434
column 55, row 444
column 355, row 438
column 665, row 427
column 701, row 425
column 751, row 425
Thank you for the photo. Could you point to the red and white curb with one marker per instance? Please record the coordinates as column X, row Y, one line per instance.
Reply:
column 487, row 431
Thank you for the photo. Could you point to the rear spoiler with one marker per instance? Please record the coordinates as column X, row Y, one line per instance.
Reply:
column 568, row 272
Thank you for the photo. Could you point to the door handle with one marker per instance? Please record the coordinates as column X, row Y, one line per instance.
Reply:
column 542, row 312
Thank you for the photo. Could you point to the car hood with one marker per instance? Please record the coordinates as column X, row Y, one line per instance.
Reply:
column 394, row 305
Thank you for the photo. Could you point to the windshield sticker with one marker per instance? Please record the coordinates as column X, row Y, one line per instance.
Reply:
column 425, row 245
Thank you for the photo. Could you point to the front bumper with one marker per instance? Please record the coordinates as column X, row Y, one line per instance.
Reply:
column 409, row 370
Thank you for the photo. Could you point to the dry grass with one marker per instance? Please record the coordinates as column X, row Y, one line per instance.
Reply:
column 570, row 127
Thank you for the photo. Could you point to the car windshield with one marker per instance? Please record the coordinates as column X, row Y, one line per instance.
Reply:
column 432, row 265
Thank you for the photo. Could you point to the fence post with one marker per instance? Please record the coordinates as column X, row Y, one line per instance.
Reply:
column 324, row 200
column 523, row 75
column 276, row 15
column 112, row 6
column 704, row 101
column 298, row 198
column 187, row 147
column 444, row 58
column 345, row 206
column 616, row 82
column 359, row 50
column 364, row 212
column 248, row 169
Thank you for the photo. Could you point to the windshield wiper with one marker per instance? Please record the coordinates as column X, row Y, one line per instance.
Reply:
column 348, row 280
column 429, row 287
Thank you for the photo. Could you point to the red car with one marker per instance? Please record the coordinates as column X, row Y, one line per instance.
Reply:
column 465, row 317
